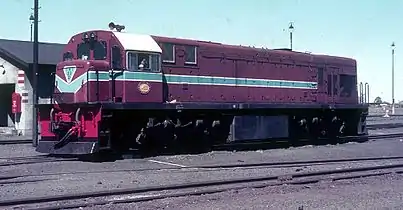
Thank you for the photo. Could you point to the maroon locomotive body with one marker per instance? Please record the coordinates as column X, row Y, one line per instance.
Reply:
column 116, row 90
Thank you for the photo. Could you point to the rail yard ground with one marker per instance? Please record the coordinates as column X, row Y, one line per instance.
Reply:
column 50, row 178
column 383, row 192
column 25, row 173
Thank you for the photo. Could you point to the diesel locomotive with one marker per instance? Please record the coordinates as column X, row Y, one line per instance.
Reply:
column 117, row 91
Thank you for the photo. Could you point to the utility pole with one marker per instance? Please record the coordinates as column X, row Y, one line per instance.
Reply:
column 35, row 76
column 291, row 30
column 393, row 77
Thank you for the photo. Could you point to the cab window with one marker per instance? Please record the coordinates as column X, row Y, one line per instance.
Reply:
column 140, row 61
column 83, row 51
column 347, row 85
column 99, row 50
column 116, row 57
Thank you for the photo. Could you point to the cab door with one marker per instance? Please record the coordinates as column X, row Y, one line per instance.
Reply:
column 332, row 84
column 327, row 85
column 324, row 80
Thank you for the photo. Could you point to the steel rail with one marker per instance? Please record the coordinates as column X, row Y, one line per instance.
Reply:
column 297, row 163
column 384, row 126
column 12, row 162
column 385, row 136
column 224, row 166
column 13, row 141
column 25, row 157
column 198, row 192
column 74, row 196
column 383, row 115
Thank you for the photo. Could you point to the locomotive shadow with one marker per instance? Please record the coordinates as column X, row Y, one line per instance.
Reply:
column 267, row 145
column 230, row 147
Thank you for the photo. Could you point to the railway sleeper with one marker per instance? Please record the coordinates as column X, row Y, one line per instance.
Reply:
column 198, row 130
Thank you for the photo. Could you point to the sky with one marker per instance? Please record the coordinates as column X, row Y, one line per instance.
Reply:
column 360, row 29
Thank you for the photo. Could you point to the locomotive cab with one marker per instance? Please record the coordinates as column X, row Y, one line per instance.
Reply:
column 100, row 66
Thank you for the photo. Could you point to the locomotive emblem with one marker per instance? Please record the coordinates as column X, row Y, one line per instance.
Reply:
column 69, row 72
column 144, row 87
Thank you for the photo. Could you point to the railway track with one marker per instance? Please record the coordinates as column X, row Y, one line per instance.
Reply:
column 382, row 115
column 384, row 126
column 193, row 188
column 223, row 167
column 13, row 161
column 138, row 194
column 239, row 146
column 12, row 141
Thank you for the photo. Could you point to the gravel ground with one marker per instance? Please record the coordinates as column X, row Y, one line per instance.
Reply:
column 383, row 192
column 87, row 182
column 74, row 176
column 17, row 150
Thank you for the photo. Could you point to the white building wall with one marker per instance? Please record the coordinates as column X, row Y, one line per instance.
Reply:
column 9, row 74
column 27, row 100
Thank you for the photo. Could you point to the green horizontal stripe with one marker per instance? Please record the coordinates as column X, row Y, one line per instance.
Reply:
column 175, row 79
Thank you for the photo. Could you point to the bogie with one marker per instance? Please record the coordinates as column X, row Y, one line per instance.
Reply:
column 198, row 130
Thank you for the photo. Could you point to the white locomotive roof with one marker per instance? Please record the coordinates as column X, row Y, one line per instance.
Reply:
column 137, row 42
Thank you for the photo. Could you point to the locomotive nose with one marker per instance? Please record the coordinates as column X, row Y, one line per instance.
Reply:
column 69, row 79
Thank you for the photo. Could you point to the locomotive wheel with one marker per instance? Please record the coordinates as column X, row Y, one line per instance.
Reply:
column 314, row 129
column 183, row 132
column 198, row 136
column 303, row 128
column 334, row 130
column 168, row 134
column 214, row 133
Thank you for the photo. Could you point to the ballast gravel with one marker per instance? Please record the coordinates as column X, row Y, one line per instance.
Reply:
column 50, row 178
column 383, row 192
column 79, row 183
column 75, row 177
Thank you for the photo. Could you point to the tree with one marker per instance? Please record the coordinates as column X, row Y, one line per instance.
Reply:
column 378, row 100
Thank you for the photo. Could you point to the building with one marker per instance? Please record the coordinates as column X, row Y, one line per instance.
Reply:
column 16, row 59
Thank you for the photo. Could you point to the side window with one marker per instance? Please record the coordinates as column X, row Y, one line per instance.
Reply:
column 100, row 50
column 116, row 58
column 191, row 54
column 168, row 52
column 143, row 62
column 347, row 85
column 132, row 61
column 155, row 62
